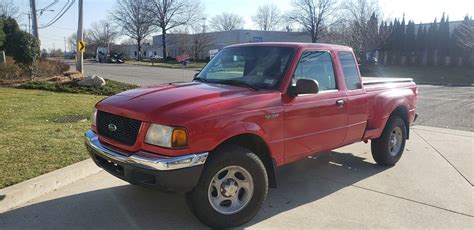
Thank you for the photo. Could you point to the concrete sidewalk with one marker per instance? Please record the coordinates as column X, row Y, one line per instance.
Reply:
column 431, row 187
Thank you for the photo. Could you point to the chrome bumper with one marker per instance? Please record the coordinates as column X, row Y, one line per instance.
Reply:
column 158, row 162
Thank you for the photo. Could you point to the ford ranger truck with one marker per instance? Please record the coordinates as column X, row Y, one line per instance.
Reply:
column 251, row 109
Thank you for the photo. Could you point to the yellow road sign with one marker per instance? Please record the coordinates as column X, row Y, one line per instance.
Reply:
column 81, row 46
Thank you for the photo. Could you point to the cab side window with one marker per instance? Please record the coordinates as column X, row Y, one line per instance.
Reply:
column 316, row 65
column 349, row 67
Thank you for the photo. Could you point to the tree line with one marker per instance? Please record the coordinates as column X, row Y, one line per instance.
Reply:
column 428, row 44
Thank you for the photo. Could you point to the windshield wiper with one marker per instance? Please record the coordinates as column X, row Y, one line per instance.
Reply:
column 236, row 83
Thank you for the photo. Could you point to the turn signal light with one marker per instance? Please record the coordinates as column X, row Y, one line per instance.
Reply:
column 179, row 138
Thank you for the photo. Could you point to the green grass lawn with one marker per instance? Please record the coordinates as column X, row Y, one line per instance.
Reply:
column 31, row 144
column 171, row 64
column 426, row 74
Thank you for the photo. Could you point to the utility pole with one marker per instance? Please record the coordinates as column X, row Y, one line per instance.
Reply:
column 107, row 36
column 34, row 18
column 79, row 54
column 29, row 23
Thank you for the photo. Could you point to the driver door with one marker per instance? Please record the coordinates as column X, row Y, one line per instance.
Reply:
column 315, row 122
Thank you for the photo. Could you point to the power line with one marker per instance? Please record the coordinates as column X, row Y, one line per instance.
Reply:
column 63, row 28
column 61, row 13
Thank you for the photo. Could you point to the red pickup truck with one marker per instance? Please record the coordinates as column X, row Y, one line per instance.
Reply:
column 252, row 108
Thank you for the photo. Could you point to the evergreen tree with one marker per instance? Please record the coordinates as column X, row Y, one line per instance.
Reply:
column 420, row 44
column 431, row 41
column 410, row 40
column 10, row 27
column 2, row 36
column 401, row 41
column 389, row 46
column 395, row 46
column 443, row 38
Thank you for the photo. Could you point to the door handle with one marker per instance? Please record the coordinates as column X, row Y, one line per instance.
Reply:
column 340, row 103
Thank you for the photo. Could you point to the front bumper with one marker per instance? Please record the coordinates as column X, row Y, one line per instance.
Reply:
column 177, row 174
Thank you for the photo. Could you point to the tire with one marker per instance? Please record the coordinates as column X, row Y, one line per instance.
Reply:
column 388, row 148
column 249, row 184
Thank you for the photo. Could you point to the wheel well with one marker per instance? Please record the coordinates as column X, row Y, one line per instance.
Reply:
column 258, row 146
column 402, row 112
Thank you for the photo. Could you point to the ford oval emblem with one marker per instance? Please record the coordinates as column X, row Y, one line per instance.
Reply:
column 112, row 127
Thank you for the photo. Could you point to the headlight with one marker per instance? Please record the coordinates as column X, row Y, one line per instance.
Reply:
column 93, row 116
column 166, row 136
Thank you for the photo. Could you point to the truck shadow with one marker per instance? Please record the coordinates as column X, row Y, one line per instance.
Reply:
column 127, row 206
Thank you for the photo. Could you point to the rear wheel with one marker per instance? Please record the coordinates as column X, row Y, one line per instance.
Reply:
column 388, row 148
column 231, row 190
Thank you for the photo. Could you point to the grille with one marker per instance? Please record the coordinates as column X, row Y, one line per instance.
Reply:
column 117, row 128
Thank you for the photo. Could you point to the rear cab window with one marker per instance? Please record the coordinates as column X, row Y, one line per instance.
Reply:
column 349, row 68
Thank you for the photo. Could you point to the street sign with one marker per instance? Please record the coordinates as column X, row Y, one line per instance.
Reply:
column 81, row 46
column 183, row 57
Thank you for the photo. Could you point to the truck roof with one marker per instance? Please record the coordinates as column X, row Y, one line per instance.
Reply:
column 320, row 46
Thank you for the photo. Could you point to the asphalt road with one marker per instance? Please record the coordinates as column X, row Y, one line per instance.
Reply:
column 430, row 188
column 138, row 75
column 439, row 106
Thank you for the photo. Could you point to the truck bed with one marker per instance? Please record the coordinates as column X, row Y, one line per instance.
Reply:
column 381, row 80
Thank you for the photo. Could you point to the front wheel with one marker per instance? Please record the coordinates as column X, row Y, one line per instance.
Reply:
column 231, row 190
column 388, row 148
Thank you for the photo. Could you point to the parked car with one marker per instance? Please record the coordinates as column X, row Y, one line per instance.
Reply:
column 253, row 108
column 116, row 58
column 156, row 58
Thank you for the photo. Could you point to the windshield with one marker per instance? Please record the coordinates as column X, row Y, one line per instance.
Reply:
column 258, row 67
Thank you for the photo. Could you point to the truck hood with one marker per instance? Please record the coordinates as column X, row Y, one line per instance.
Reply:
column 176, row 103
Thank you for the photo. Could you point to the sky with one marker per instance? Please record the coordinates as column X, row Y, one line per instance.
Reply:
column 421, row 11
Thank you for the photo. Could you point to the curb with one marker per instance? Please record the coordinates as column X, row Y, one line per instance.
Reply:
column 18, row 194
column 444, row 130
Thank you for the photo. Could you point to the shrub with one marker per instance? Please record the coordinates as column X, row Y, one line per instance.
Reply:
column 25, row 49
column 10, row 27
column 110, row 88
column 47, row 68
column 2, row 35
column 10, row 70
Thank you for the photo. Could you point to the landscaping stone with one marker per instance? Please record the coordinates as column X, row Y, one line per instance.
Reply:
column 93, row 80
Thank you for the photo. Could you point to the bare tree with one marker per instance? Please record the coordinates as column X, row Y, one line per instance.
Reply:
column 201, row 41
column 312, row 15
column 227, row 22
column 169, row 14
column 8, row 9
column 268, row 17
column 182, row 40
column 135, row 19
column 72, row 39
column 102, row 33
column 362, row 27
column 464, row 34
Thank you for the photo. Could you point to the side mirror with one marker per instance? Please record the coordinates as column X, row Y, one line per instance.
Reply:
column 306, row 86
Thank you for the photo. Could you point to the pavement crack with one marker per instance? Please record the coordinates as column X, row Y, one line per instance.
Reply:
column 446, row 159
column 414, row 201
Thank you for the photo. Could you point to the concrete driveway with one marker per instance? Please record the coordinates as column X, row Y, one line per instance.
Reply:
column 431, row 187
